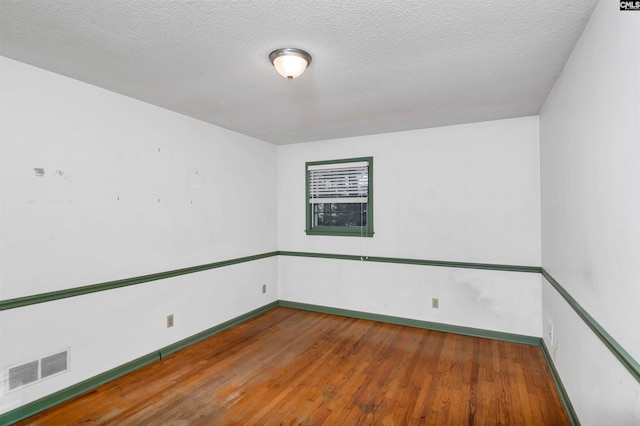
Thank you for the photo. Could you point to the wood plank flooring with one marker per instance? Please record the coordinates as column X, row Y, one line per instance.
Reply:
column 295, row 367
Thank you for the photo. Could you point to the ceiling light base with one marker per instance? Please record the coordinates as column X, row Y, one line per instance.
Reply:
column 290, row 62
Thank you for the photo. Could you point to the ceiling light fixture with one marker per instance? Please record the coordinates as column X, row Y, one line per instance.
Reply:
column 289, row 62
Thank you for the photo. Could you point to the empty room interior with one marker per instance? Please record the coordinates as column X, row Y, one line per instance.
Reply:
column 458, row 169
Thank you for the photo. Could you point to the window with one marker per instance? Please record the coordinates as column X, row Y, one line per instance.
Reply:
column 339, row 197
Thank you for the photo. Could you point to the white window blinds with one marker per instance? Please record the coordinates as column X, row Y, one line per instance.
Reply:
column 339, row 183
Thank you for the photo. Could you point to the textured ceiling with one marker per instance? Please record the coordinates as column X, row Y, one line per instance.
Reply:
column 378, row 66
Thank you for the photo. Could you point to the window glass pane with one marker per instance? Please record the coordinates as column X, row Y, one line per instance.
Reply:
column 340, row 214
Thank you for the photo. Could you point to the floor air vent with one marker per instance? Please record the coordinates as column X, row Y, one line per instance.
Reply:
column 33, row 371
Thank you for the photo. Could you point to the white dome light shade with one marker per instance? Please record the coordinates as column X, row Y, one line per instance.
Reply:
column 290, row 63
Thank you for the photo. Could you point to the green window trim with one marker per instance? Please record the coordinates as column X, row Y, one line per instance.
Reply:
column 343, row 231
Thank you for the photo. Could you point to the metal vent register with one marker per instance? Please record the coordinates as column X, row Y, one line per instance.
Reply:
column 33, row 371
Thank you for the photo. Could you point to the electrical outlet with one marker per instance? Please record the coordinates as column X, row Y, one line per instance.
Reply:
column 264, row 288
column 435, row 303
column 551, row 336
column 169, row 320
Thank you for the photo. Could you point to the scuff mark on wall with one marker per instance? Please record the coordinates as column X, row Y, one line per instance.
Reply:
column 39, row 171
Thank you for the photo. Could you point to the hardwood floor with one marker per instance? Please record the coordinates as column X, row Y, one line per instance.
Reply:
column 295, row 367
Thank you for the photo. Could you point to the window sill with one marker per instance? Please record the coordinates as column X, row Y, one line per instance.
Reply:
column 340, row 233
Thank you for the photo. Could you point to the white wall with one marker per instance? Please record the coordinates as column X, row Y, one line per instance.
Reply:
column 95, row 216
column 466, row 193
column 590, row 156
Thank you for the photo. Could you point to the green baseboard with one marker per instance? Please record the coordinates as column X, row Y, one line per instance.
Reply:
column 447, row 328
column 632, row 365
column 467, row 331
column 175, row 347
column 66, row 394
column 562, row 392
column 73, row 391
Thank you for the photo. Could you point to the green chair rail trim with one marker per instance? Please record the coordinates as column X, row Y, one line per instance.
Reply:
column 110, row 285
column 66, row 394
column 79, row 291
column 618, row 351
column 622, row 355
column 562, row 392
column 422, row 262
column 436, row 326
